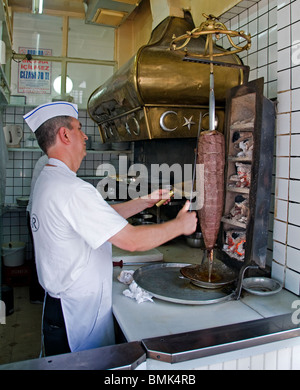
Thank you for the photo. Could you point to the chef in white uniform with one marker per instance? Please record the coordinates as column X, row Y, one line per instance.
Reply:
column 73, row 229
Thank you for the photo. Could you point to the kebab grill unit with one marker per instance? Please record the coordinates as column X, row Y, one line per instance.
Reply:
column 158, row 95
column 172, row 90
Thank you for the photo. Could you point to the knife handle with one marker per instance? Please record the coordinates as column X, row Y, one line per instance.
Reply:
column 118, row 263
column 161, row 202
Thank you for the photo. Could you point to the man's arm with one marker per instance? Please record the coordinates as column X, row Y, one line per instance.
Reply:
column 142, row 238
column 135, row 206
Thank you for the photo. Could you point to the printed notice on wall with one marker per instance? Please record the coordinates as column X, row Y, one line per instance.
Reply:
column 34, row 76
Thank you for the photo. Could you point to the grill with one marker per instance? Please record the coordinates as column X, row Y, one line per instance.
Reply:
column 160, row 92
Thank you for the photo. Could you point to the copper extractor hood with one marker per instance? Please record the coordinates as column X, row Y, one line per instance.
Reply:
column 160, row 94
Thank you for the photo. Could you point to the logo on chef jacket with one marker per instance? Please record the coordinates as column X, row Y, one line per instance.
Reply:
column 34, row 222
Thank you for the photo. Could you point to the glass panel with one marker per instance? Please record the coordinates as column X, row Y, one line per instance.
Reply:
column 90, row 41
column 37, row 32
column 86, row 78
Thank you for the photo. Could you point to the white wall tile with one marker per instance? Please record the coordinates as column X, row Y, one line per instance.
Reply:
column 296, row 358
column 262, row 57
column 296, row 77
column 254, row 45
column 273, row 17
column 295, row 32
column 279, row 254
column 252, row 13
column 243, row 18
column 283, row 17
column 272, row 53
column 282, row 167
column 295, row 53
column 294, row 192
column 263, row 72
column 272, row 90
column 284, row 38
column 273, row 37
column 295, row 168
column 284, row 358
column 292, row 281
column 294, row 213
column 253, row 60
column 295, row 145
column 281, row 210
column 253, row 28
column 295, row 6
column 282, row 188
column 279, row 233
column 262, row 40
column 283, row 145
column 293, row 236
column 295, row 122
column 284, row 104
column 278, row 272
column 283, row 123
column 272, row 71
column 263, row 6
column 293, row 258
column 296, row 99
column 283, row 59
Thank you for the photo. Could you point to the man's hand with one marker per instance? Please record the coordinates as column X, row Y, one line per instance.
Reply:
column 187, row 219
column 156, row 196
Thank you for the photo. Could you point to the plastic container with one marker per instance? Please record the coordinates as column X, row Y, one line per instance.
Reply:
column 13, row 253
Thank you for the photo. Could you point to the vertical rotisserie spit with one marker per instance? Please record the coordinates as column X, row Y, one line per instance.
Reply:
column 211, row 143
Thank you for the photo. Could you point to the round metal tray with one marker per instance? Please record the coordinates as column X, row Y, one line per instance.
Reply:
column 165, row 282
column 261, row 286
column 221, row 275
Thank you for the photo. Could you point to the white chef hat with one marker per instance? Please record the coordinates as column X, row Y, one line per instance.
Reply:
column 42, row 113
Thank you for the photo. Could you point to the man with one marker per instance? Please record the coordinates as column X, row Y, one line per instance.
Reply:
column 73, row 229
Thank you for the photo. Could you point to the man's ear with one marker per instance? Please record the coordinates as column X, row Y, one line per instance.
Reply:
column 63, row 134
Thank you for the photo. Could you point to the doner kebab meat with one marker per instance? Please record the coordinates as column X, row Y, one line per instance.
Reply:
column 211, row 153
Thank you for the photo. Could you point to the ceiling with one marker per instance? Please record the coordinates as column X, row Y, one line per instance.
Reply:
column 106, row 12
column 73, row 8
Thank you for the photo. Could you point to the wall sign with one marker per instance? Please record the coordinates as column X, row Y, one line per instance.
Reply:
column 34, row 76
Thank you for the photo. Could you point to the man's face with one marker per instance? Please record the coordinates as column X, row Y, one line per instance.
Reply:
column 78, row 139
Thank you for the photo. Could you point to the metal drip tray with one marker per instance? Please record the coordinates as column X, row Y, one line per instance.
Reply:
column 261, row 286
column 165, row 282
column 221, row 275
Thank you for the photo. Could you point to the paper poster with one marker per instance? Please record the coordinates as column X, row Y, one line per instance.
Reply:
column 34, row 76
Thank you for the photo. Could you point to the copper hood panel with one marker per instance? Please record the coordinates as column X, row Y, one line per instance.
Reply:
column 158, row 94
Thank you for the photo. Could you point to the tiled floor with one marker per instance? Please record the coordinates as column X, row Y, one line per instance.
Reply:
column 20, row 337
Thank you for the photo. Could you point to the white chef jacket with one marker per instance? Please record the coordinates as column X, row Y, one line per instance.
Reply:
column 71, row 224
column 41, row 162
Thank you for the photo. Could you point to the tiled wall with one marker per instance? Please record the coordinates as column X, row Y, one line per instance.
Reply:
column 286, row 254
column 20, row 167
column 275, row 55
column 259, row 20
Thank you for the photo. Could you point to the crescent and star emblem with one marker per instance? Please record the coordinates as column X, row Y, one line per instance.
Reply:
column 188, row 122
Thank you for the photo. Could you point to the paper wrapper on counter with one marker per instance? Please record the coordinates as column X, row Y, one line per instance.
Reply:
column 137, row 293
column 133, row 291
column 126, row 276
